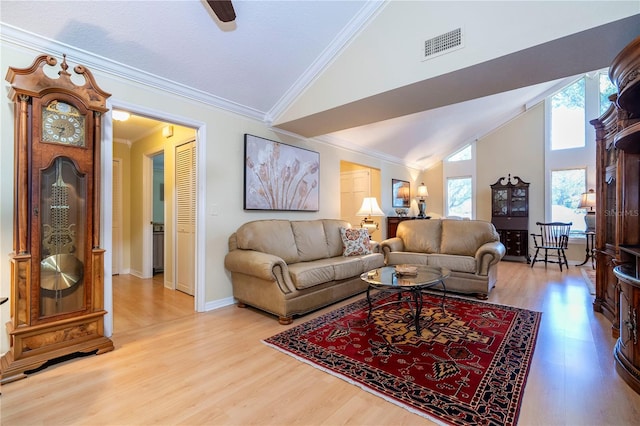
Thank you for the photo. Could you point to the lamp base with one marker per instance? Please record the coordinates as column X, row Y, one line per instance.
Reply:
column 369, row 224
column 590, row 221
column 422, row 206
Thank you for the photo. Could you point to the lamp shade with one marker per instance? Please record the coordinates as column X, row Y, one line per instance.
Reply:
column 588, row 200
column 422, row 191
column 370, row 208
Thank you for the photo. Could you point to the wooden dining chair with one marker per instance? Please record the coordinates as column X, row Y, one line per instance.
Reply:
column 553, row 236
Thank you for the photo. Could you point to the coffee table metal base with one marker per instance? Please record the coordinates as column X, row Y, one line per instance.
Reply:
column 416, row 300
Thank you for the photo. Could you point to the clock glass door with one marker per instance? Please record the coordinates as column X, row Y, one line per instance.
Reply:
column 63, row 226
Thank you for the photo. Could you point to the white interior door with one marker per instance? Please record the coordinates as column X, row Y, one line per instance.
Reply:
column 354, row 187
column 116, row 233
column 185, row 217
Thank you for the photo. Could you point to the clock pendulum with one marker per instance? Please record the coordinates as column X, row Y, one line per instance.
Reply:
column 60, row 268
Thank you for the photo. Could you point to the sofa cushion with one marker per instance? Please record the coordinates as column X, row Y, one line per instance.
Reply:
column 464, row 237
column 269, row 236
column 355, row 241
column 347, row 267
column 372, row 261
column 453, row 262
column 332, row 233
column 400, row 257
column 307, row 274
column 420, row 235
column 310, row 238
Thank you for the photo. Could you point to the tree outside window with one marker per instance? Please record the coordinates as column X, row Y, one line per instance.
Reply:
column 567, row 187
column 606, row 89
column 459, row 192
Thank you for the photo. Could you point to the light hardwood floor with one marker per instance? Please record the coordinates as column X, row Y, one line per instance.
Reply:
column 174, row 366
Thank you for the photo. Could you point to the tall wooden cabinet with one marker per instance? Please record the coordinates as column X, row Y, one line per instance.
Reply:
column 510, row 216
column 618, row 211
column 608, row 226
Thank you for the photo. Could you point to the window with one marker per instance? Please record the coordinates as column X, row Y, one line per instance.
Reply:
column 606, row 89
column 567, row 187
column 459, row 170
column 568, row 117
column 459, row 192
column 462, row 155
column 570, row 151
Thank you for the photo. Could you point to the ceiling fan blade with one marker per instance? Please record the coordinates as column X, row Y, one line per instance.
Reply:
column 223, row 10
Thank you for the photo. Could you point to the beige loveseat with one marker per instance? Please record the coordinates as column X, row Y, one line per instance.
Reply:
column 293, row 267
column 471, row 249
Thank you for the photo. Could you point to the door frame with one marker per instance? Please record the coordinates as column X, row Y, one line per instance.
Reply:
column 147, row 214
column 106, row 194
column 118, row 260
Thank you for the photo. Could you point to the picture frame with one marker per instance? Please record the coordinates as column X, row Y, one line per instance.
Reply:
column 281, row 177
column 400, row 193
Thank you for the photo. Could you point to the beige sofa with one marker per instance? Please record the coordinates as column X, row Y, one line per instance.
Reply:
column 293, row 267
column 471, row 249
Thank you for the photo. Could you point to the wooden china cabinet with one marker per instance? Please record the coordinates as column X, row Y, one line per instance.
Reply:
column 57, row 265
column 618, row 212
column 609, row 227
column 510, row 216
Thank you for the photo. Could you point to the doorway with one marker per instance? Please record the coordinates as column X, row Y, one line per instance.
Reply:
column 144, row 152
column 356, row 183
column 157, row 208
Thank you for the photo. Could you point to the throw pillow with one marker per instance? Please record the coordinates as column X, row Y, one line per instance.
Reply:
column 355, row 241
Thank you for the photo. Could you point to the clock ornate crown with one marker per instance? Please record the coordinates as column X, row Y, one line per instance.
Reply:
column 57, row 265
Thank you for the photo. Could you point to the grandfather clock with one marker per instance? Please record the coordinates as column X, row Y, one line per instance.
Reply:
column 57, row 265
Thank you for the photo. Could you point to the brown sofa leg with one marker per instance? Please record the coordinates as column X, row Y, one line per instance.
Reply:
column 285, row 320
column 482, row 296
column 241, row 305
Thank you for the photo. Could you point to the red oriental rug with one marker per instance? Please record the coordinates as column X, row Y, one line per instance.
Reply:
column 468, row 366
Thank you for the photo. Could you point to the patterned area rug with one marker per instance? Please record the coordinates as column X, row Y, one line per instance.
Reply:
column 468, row 366
column 589, row 275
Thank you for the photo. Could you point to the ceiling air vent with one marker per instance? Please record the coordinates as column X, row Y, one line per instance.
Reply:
column 442, row 44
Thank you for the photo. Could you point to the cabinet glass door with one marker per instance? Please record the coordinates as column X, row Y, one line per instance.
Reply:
column 500, row 202
column 519, row 202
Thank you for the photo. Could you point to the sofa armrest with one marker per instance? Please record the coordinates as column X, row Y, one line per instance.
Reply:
column 375, row 246
column 488, row 254
column 391, row 244
column 260, row 265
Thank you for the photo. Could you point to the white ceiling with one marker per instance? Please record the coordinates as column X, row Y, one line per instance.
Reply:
column 256, row 64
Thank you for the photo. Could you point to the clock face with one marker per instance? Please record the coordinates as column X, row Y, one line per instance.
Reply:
column 63, row 124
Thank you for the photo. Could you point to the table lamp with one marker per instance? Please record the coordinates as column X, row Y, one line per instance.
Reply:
column 588, row 202
column 368, row 209
column 422, row 194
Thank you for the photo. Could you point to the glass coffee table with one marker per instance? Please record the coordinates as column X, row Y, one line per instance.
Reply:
column 390, row 280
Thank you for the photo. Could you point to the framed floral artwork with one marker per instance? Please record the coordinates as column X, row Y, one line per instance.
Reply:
column 278, row 176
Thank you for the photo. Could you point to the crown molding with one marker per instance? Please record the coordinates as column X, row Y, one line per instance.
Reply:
column 27, row 40
column 369, row 11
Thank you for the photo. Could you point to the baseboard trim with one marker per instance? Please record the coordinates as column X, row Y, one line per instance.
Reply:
column 220, row 303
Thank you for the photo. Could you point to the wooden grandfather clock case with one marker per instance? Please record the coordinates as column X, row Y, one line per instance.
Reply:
column 57, row 265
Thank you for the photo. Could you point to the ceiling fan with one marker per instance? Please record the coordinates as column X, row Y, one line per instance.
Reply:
column 223, row 10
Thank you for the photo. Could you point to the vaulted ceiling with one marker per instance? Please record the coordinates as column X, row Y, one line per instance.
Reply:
column 345, row 72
